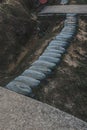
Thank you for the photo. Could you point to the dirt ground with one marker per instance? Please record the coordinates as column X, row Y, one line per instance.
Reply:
column 29, row 53
column 19, row 51
column 66, row 88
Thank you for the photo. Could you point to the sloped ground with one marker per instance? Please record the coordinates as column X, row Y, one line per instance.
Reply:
column 66, row 89
column 20, row 36
column 16, row 28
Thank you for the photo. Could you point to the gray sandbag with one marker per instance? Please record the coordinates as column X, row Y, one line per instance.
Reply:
column 64, row 2
column 68, row 31
column 72, row 19
column 67, row 34
column 59, row 43
column 44, row 63
column 71, row 14
column 67, row 37
column 56, row 48
column 50, row 59
column 54, row 51
column 54, row 41
column 61, row 39
column 70, row 24
column 33, row 83
column 42, row 69
column 55, row 55
column 19, row 87
column 34, row 74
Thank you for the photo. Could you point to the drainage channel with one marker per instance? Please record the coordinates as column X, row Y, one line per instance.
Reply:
column 31, row 78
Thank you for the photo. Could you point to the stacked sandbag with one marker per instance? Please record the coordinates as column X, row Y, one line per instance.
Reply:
column 50, row 58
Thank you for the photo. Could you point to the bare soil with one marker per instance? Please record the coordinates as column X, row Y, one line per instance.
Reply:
column 66, row 88
column 23, row 37
column 33, row 49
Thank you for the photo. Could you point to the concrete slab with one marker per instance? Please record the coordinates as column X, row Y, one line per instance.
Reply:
column 63, row 9
column 18, row 112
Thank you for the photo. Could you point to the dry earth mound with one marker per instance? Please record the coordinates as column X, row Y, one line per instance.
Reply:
column 16, row 28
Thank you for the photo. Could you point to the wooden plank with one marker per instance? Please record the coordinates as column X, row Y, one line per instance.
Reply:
column 63, row 9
